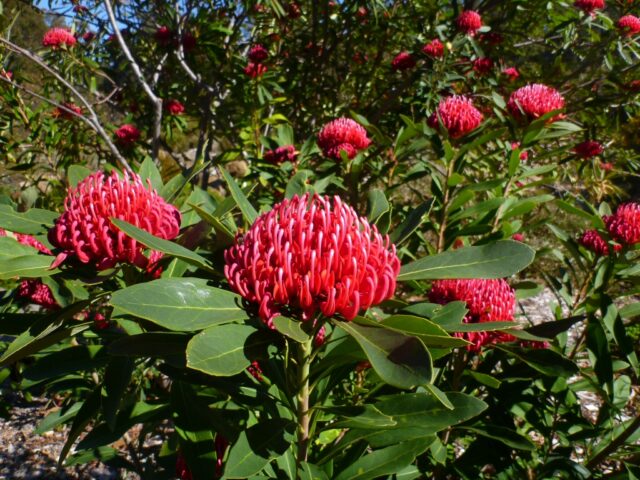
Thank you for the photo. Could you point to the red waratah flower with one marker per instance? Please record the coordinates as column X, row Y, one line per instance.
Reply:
column 258, row 54
column 434, row 49
column 535, row 100
column 403, row 61
column 589, row 6
column 588, row 149
column 457, row 114
column 32, row 242
column 624, row 225
column 127, row 135
column 482, row 66
column 469, row 22
column 310, row 255
column 512, row 73
column 281, row 154
column 84, row 230
column 294, row 11
column 342, row 134
column 37, row 292
column 629, row 25
column 592, row 240
column 255, row 70
column 57, row 37
column 64, row 113
column 173, row 107
column 164, row 36
column 487, row 301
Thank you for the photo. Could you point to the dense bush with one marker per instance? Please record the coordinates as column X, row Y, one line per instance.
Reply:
column 294, row 236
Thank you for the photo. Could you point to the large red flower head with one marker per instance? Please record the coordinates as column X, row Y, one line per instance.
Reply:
column 629, row 25
column 84, row 230
column 457, row 114
column 255, row 70
column 310, row 255
column 535, row 100
column 258, row 54
column 57, row 37
column 281, row 155
column 434, row 49
column 487, row 301
column 342, row 134
column 403, row 61
column 588, row 149
column 469, row 22
column 482, row 66
column 37, row 292
column 589, row 6
column 127, row 135
column 64, row 113
column 624, row 225
column 592, row 240
column 173, row 107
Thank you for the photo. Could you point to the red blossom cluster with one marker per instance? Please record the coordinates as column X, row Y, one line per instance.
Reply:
column 469, row 22
column 281, row 154
column 629, row 25
column 534, row 101
column 624, row 225
column 56, row 38
column 482, row 66
column 65, row 114
column 589, row 6
column 511, row 73
column 84, row 230
column 592, row 240
column 457, row 115
column 127, row 135
column 258, row 54
column 403, row 61
column 588, row 149
column 312, row 255
column 173, row 107
column 434, row 49
column 342, row 135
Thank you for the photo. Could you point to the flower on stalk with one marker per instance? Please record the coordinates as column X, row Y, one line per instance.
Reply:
column 403, row 61
column 434, row 49
column 173, row 107
column 255, row 70
column 589, row 6
column 65, row 114
column 469, row 22
column 588, row 149
column 127, row 135
column 457, row 115
column 164, row 36
column 511, row 73
column 258, row 54
column 37, row 292
column 58, row 37
column 592, row 240
column 624, row 225
column 491, row 300
column 482, row 66
column 535, row 100
column 281, row 155
column 342, row 134
column 312, row 255
column 629, row 25
column 84, row 230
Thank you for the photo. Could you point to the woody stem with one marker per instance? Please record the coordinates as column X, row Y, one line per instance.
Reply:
column 303, row 415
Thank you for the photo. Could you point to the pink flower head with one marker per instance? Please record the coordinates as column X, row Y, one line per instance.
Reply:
column 457, row 114
column 588, row 149
column 342, row 134
column 32, row 242
column 403, row 61
column 592, row 240
column 173, row 107
column 255, row 70
column 518, row 237
column 624, row 225
column 589, row 6
column 100, row 322
column 37, row 292
column 469, row 22
column 58, row 37
column 310, row 255
column 512, row 73
column 434, row 49
column 258, row 54
column 127, row 135
column 482, row 66
column 487, row 301
column 65, row 114
column 535, row 100
column 629, row 25
column 281, row 155
column 84, row 230
column 164, row 36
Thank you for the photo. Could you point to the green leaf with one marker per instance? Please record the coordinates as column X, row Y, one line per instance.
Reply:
column 85, row 414
column 116, row 380
column 26, row 266
column 429, row 332
column 248, row 212
column 220, row 350
column 291, row 328
column 401, row 360
column 150, row 344
column 56, row 418
column 32, row 221
column 66, row 361
column 10, row 248
column 161, row 245
column 220, row 228
column 149, row 171
column 308, row 471
column 378, row 205
column 298, row 185
column 181, row 304
column 411, row 223
column 505, row 435
column 543, row 360
column 77, row 173
column 495, row 260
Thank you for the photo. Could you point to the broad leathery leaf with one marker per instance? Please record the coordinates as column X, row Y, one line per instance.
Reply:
column 494, row 260
column 32, row 221
column 181, row 304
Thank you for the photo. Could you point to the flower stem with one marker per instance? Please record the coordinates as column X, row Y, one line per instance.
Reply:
column 304, row 366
